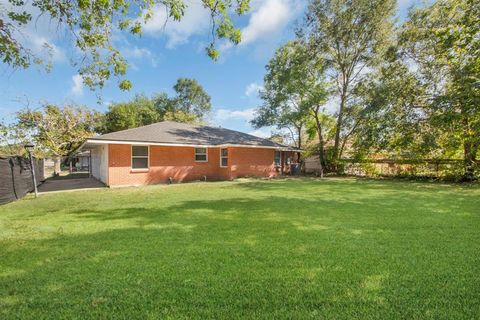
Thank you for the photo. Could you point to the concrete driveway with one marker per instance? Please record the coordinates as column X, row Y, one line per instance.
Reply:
column 52, row 185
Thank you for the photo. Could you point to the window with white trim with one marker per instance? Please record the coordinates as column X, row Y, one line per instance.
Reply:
column 224, row 157
column 139, row 157
column 201, row 154
column 278, row 158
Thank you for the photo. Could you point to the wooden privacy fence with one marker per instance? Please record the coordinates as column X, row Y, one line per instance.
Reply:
column 16, row 177
column 433, row 168
column 429, row 168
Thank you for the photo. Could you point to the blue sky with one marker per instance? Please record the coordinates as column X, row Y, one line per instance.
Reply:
column 161, row 56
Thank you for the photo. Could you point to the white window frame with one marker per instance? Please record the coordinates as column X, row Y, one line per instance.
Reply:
column 139, row 157
column 274, row 162
column 195, row 154
column 222, row 157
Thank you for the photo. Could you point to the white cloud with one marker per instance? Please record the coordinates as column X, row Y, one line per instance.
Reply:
column 77, row 87
column 41, row 46
column 195, row 21
column 266, row 26
column 226, row 114
column 267, row 20
column 136, row 52
column 139, row 53
column 270, row 16
column 253, row 89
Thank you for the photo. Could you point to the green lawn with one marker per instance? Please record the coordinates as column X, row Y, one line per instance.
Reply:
column 331, row 249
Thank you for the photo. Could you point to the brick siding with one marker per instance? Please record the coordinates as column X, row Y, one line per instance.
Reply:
column 179, row 163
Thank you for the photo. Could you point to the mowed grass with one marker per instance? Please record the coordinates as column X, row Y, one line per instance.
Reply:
column 286, row 249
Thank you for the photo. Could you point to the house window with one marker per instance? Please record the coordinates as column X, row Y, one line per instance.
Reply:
column 201, row 154
column 223, row 157
column 139, row 157
column 278, row 158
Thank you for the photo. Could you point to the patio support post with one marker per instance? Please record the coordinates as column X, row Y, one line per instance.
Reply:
column 282, row 162
column 90, row 163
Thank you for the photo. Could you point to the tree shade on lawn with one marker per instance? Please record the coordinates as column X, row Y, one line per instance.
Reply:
column 335, row 248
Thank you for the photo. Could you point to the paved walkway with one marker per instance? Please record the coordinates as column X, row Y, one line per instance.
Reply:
column 69, row 184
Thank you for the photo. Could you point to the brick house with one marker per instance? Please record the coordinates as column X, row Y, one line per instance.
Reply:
column 175, row 152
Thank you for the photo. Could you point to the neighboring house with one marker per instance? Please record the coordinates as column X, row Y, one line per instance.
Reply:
column 174, row 152
column 312, row 164
column 78, row 162
column 48, row 167
column 81, row 161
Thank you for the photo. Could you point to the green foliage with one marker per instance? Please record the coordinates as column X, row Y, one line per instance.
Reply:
column 350, row 36
column 292, row 87
column 294, row 94
column 58, row 131
column 424, row 102
column 92, row 24
column 190, row 98
column 190, row 105
column 180, row 116
column 287, row 249
column 13, row 138
column 136, row 113
column 393, row 125
column 444, row 42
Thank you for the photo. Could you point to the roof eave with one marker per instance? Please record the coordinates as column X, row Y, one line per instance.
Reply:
column 200, row 145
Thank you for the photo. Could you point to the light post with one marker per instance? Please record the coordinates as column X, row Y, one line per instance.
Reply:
column 29, row 146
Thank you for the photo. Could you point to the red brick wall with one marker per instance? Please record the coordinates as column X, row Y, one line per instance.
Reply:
column 179, row 163
column 252, row 162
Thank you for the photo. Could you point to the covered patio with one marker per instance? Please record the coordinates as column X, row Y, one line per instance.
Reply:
column 72, row 182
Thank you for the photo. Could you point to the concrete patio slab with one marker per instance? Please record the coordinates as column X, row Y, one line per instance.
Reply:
column 70, row 185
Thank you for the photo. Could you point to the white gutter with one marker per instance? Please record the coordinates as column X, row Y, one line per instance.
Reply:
column 143, row 143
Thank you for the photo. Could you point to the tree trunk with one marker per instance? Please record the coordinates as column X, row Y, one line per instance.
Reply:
column 469, row 159
column 299, row 139
column 57, row 160
column 299, row 144
column 321, row 155
column 338, row 129
column 469, row 150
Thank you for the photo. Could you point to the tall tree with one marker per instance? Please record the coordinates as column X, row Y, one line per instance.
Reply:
column 13, row 137
column 443, row 43
column 59, row 131
column 126, row 115
column 295, row 91
column 190, row 105
column 281, row 107
column 190, row 98
column 349, row 35
column 92, row 24
column 394, row 125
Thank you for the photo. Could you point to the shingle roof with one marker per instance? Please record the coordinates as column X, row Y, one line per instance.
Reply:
column 181, row 133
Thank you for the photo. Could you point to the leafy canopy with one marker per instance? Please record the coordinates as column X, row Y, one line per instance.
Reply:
column 92, row 24
column 295, row 92
column 424, row 102
column 350, row 36
column 58, row 131
column 190, row 105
